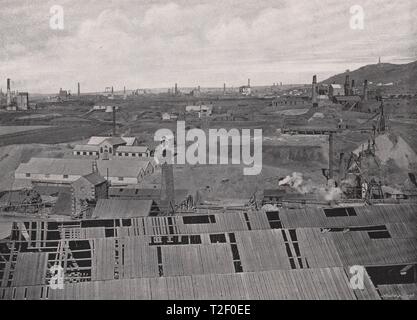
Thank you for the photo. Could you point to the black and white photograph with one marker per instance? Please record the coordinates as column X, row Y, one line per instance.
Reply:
column 208, row 150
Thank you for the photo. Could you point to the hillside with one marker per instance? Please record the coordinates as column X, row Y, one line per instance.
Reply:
column 404, row 75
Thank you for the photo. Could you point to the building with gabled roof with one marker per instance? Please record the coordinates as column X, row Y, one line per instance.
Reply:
column 97, row 140
column 66, row 171
column 122, row 208
column 109, row 147
column 133, row 151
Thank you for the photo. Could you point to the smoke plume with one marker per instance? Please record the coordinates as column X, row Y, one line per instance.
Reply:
column 297, row 182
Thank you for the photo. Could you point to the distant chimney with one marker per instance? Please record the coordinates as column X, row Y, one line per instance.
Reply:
column 314, row 92
column 224, row 88
column 347, row 85
column 365, row 90
column 176, row 89
column 248, row 82
column 8, row 94
column 79, row 89
column 352, row 87
column 112, row 90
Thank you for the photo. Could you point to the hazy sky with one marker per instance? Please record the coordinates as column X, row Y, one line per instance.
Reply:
column 151, row 43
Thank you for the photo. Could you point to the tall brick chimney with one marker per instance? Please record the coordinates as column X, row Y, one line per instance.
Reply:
column 365, row 90
column 347, row 85
column 314, row 92
column 8, row 94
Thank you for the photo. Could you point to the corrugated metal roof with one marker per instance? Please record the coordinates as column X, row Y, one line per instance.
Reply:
column 365, row 216
column 145, row 193
column 398, row 291
column 94, row 178
column 402, row 230
column 141, row 149
column 82, row 167
column 96, row 140
column 357, row 248
column 86, row 147
column 30, row 269
column 119, row 208
column 317, row 284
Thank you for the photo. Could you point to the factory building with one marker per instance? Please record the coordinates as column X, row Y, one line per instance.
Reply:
column 85, row 192
column 66, row 171
column 108, row 147
column 246, row 90
column 17, row 101
column 200, row 110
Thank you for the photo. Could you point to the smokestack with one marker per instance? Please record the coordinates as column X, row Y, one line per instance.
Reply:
column 347, row 85
column 352, row 88
column 381, row 124
column 112, row 90
column 79, row 89
column 124, row 90
column 8, row 94
column 224, row 88
column 248, row 82
column 330, row 156
column 314, row 92
column 341, row 168
column 167, row 186
column 365, row 90
column 176, row 89
column 114, row 121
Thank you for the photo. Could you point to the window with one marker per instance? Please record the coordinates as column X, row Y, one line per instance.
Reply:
column 382, row 234
column 340, row 212
column 78, row 153
column 90, row 153
column 65, row 176
column 47, row 175
column 120, row 178
column 120, row 154
column 27, row 174
column 199, row 219
column 218, row 238
column 126, row 154
column 84, row 153
column 274, row 220
column 101, row 149
column 195, row 239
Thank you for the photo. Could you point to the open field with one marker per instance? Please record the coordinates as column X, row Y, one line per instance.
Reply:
column 4, row 130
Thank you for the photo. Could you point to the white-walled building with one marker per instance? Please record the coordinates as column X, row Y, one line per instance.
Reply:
column 109, row 147
column 66, row 171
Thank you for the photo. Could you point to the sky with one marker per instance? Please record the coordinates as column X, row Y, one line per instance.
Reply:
column 154, row 44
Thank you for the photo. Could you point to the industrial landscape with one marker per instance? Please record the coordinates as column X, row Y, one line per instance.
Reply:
column 89, row 211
